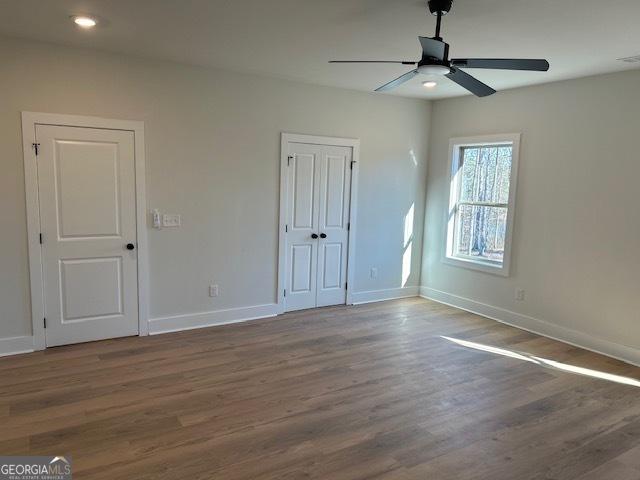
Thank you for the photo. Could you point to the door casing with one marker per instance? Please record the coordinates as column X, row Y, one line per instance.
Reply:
column 354, row 143
column 29, row 122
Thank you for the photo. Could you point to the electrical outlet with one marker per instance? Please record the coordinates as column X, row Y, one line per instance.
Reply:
column 214, row 291
column 520, row 294
column 374, row 273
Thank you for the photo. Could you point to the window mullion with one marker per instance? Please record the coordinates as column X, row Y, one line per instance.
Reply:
column 484, row 204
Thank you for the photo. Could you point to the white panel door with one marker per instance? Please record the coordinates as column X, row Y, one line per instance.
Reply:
column 302, row 226
column 86, row 181
column 333, row 223
column 318, row 193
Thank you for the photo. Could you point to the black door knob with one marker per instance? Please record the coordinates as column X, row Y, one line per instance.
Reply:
column 314, row 235
column 130, row 246
column 323, row 235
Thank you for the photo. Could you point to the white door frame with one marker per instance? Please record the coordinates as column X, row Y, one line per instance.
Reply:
column 29, row 122
column 354, row 143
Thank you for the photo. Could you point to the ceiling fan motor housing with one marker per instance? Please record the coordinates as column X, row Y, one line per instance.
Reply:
column 441, row 7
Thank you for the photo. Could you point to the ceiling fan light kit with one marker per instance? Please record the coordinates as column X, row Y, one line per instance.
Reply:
column 434, row 70
column 435, row 60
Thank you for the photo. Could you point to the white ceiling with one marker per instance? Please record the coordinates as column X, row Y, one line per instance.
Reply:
column 294, row 39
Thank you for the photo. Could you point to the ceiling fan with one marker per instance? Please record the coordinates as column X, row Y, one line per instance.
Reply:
column 435, row 60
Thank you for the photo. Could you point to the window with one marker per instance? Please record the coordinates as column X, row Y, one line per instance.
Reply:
column 481, row 202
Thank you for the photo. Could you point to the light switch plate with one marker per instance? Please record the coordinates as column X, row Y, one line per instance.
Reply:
column 171, row 220
column 155, row 218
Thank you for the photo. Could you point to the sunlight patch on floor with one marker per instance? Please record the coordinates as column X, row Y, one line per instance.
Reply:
column 545, row 362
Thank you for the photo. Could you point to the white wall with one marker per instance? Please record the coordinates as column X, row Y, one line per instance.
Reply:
column 213, row 141
column 576, row 241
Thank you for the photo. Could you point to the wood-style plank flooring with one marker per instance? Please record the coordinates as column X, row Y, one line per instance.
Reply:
column 367, row 392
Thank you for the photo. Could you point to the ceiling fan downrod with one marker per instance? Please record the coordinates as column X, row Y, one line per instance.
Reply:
column 439, row 8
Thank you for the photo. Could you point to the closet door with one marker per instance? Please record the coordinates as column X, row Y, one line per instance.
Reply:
column 302, row 226
column 333, row 224
column 318, row 195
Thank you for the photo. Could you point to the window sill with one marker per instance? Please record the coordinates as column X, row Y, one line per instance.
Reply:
column 478, row 265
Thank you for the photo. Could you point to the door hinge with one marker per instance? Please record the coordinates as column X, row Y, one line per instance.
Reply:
column 286, row 228
column 352, row 162
column 45, row 322
column 289, row 158
column 41, row 239
column 36, row 147
column 345, row 285
column 285, row 292
column 349, row 226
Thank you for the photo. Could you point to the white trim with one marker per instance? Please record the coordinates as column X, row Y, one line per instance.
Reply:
column 545, row 328
column 382, row 295
column 80, row 121
column 15, row 345
column 192, row 321
column 33, row 229
column 141, row 231
column 449, row 222
column 29, row 122
column 318, row 140
column 353, row 211
column 354, row 143
column 282, row 221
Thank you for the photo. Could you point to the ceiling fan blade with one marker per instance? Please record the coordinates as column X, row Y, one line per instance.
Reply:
column 472, row 84
column 398, row 81
column 403, row 62
column 433, row 48
column 536, row 65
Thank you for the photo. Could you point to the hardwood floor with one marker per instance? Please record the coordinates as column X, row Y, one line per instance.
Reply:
column 367, row 392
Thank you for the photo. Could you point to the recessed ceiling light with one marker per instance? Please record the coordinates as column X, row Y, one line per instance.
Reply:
column 430, row 84
column 84, row 22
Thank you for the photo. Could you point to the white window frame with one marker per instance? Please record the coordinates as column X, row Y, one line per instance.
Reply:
column 455, row 146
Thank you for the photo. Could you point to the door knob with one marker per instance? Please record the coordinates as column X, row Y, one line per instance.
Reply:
column 323, row 235
column 130, row 246
column 314, row 235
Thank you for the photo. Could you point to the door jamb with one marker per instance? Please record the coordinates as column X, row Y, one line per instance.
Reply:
column 354, row 143
column 29, row 122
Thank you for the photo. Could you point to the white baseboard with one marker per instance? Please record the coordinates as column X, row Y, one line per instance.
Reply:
column 16, row 345
column 191, row 321
column 380, row 295
column 534, row 325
